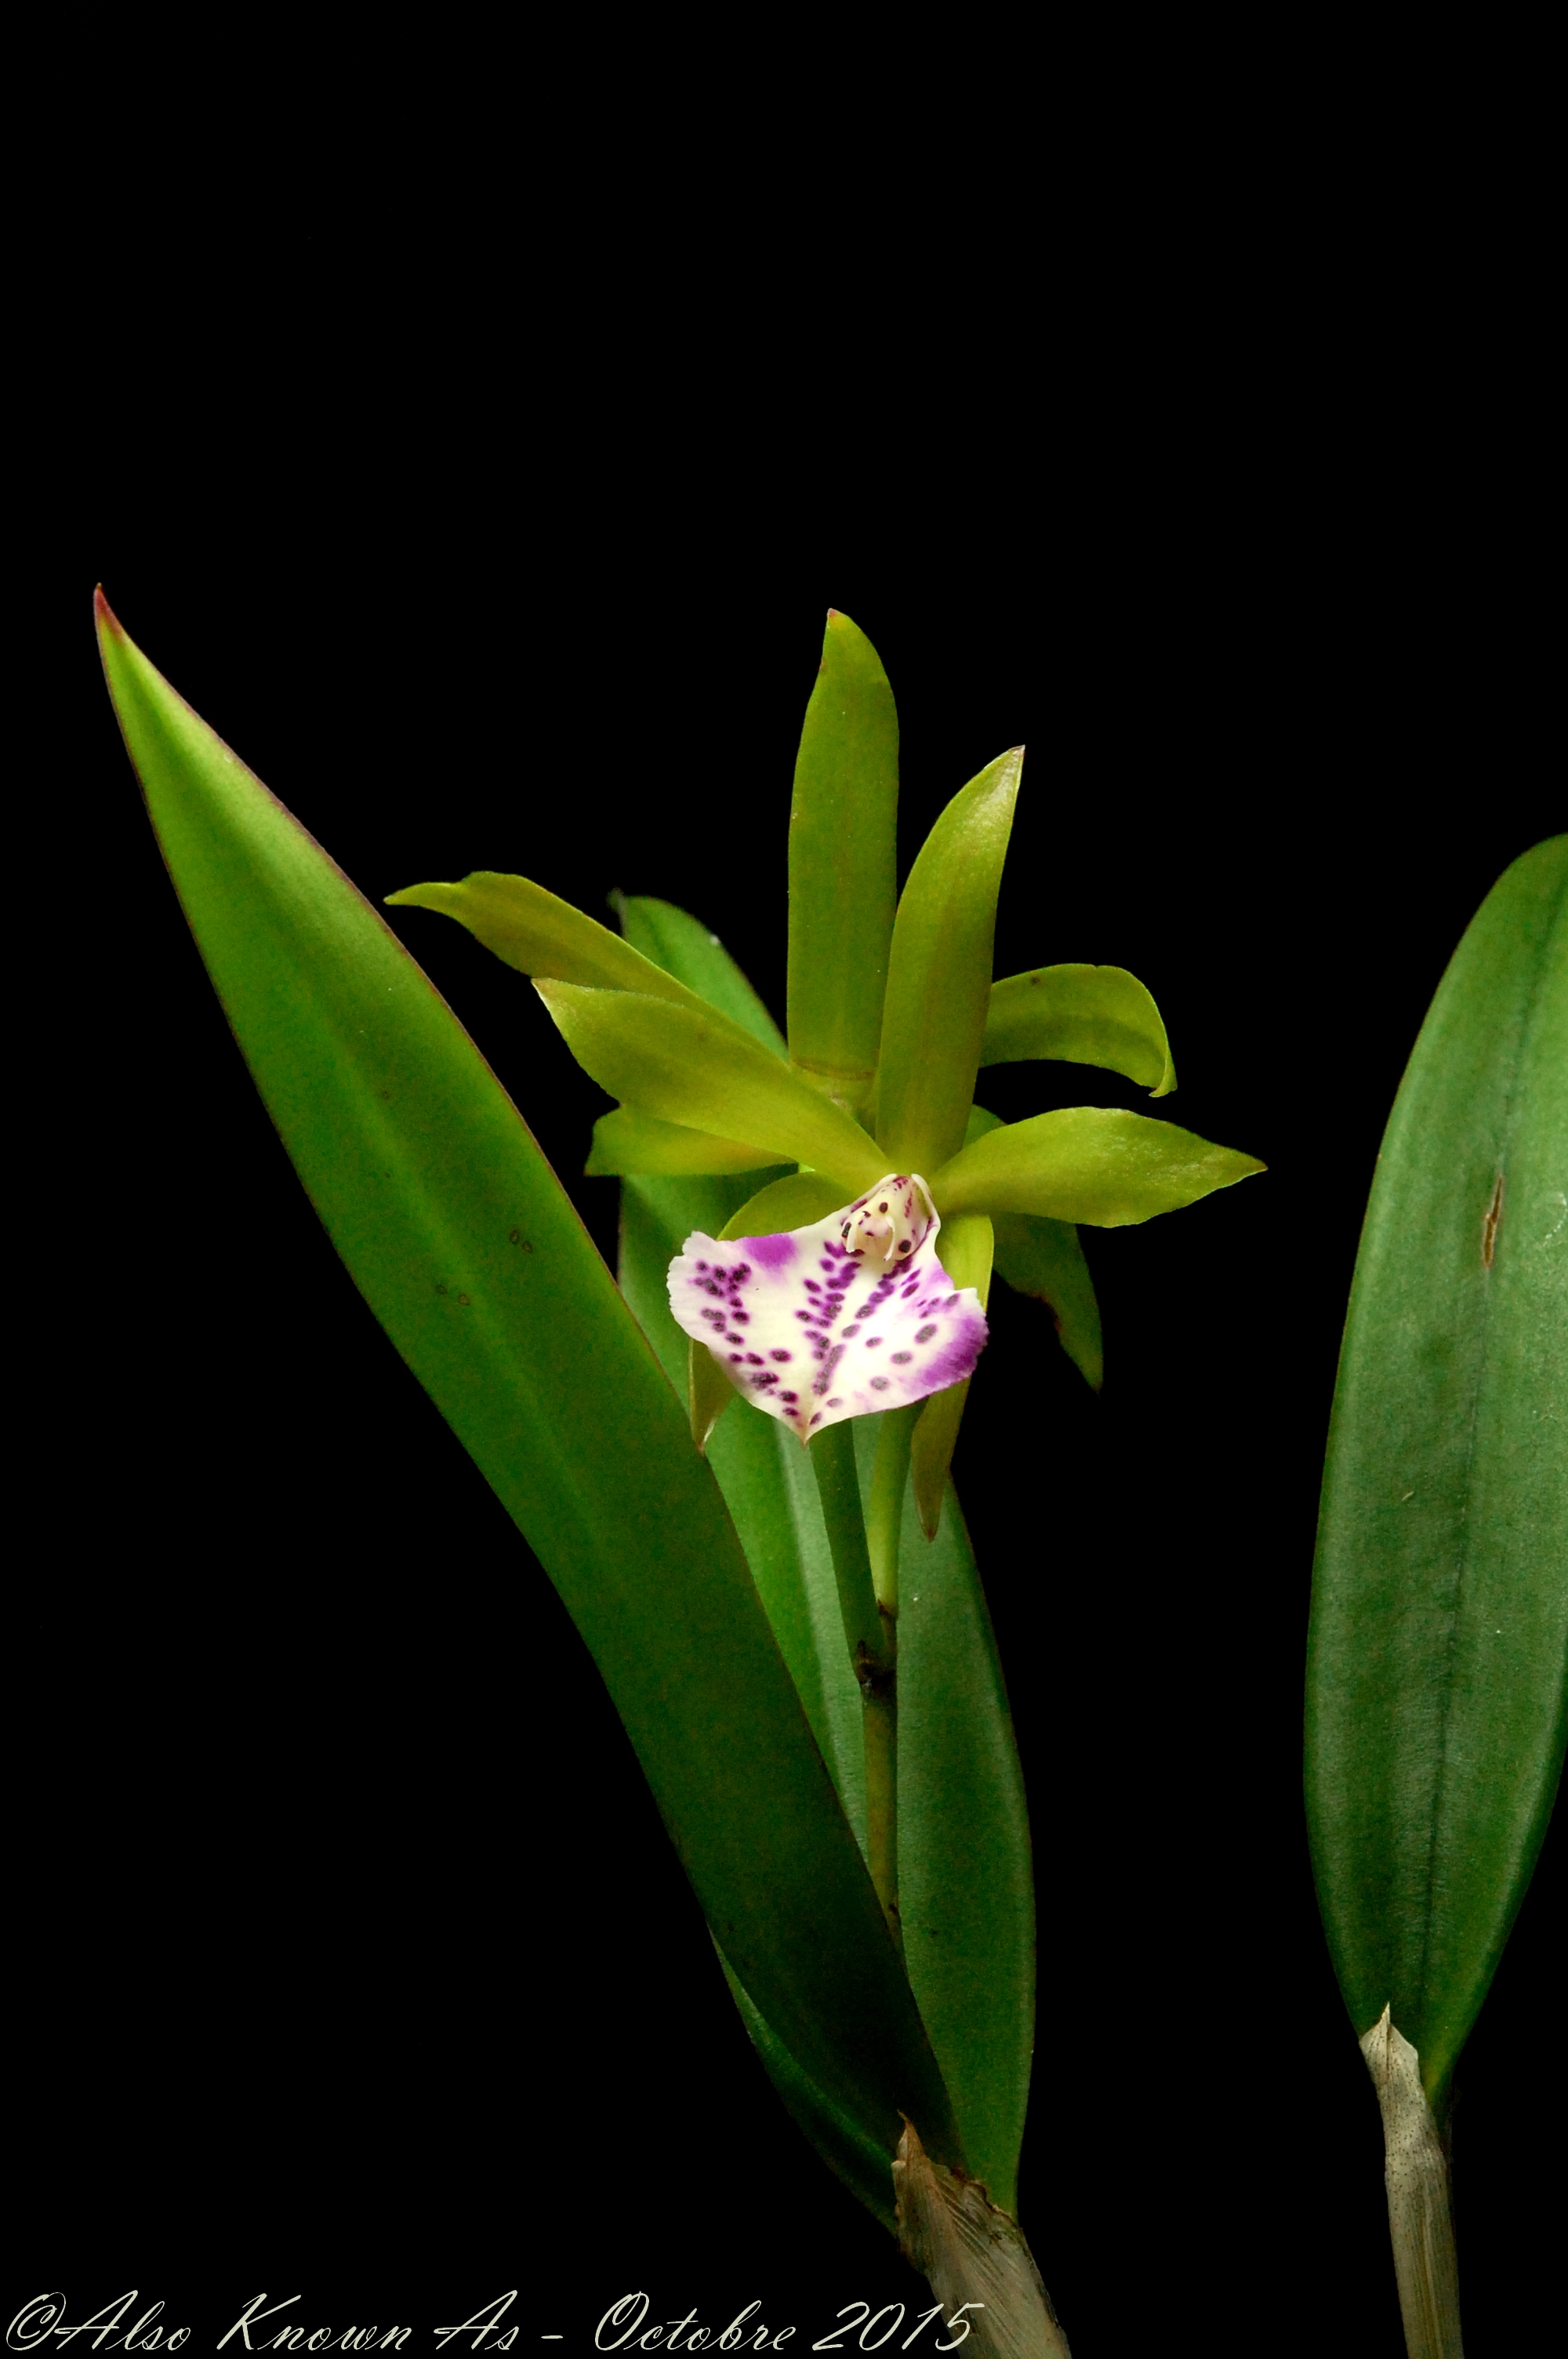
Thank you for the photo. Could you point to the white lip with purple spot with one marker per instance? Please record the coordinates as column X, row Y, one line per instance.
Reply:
column 851, row 1315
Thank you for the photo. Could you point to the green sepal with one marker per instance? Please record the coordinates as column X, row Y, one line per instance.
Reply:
column 1437, row 1675
column 687, row 949
column 693, row 1066
column 964, row 1249
column 1099, row 1165
column 843, row 882
column 1045, row 1258
column 939, row 973
column 539, row 934
column 626, row 1140
column 1083, row 1015
column 470, row 1255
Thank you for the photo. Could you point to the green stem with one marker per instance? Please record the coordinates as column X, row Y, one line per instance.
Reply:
column 871, row 1627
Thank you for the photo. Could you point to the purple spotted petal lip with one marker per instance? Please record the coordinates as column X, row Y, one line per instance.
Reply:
column 851, row 1315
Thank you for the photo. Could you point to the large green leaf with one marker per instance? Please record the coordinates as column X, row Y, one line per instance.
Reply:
column 1438, row 1664
column 467, row 1250
column 843, row 882
column 967, row 1893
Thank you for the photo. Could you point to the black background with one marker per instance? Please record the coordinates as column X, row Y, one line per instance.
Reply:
column 354, row 1961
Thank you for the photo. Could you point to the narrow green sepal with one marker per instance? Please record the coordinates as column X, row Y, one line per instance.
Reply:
column 627, row 1141
column 1045, row 1258
column 539, row 934
column 842, row 875
column 790, row 1204
column 692, row 1066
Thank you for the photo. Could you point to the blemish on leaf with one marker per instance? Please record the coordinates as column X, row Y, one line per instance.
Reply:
column 463, row 1300
column 1489, row 1226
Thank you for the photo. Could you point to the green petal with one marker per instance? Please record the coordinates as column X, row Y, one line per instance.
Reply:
column 782, row 1205
column 467, row 1250
column 1085, row 1015
column 939, row 974
column 629, row 1140
column 1096, row 1163
column 965, row 1250
column 538, row 934
column 687, row 949
column 692, row 1066
column 842, row 879
column 1438, row 1681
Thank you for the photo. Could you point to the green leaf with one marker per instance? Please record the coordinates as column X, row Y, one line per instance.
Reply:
column 628, row 1140
column 538, row 934
column 1438, row 1657
column 1096, row 1163
column 467, row 1250
column 843, row 877
column 686, row 950
column 1085, row 1015
column 691, row 1065
column 939, row 973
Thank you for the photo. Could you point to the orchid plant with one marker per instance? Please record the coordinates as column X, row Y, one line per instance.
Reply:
column 754, row 1526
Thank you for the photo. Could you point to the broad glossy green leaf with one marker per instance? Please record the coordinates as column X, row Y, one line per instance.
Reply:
column 843, row 883
column 467, row 1250
column 692, row 1065
column 1084, row 1016
column 538, row 933
column 1437, row 1680
column 628, row 1140
column 688, row 951
column 964, row 1859
column 1095, row 1164
column 1045, row 1258
column 939, row 973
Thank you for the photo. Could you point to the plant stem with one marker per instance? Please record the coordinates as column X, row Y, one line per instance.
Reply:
column 1420, row 2221
column 865, row 1563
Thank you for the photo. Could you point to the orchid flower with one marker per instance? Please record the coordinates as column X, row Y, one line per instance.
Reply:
column 892, row 1013
column 880, row 1325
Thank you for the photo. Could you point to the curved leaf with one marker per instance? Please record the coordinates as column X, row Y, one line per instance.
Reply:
column 1438, row 1665
column 463, row 1244
column 1084, row 1016
column 1096, row 1163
